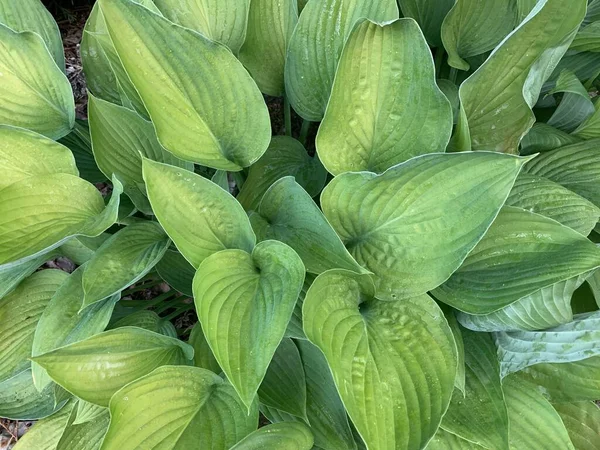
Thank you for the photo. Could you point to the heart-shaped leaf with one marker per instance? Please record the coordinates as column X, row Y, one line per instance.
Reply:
column 270, row 26
column 472, row 28
column 380, row 351
column 288, row 214
column 385, row 106
column 175, row 408
column 391, row 225
column 20, row 312
column 582, row 421
column 429, row 14
column 40, row 213
column 284, row 157
column 24, row 154
column 61, row 323
column 123, row 259
column 498, row 97
column 573, row 341
column 310, row 68
column 198, row 215
column 521, row 253
column 35, row 94
column 95, row 368
column 120, row 138
column 244, row 302
column 176, row 72
column 283, row 435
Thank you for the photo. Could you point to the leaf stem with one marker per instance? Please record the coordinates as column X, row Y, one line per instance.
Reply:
column 304, row 131
column 438, row 59
column 148, row 303
column 453, row 74
column 287, row 115
column 172, row 304
column 179, row 311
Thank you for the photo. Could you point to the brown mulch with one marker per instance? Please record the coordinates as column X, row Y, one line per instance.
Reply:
column 11, row 431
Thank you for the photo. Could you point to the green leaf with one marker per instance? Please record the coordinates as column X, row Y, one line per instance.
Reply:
column 587, row 39
column 61, row 323
column 24, row 154
column 324, row 408
column 95, row 368
column 443, row 440
column 459, row 382
column 391, row 223
column 120, row 139
column 590, row 128
column 88, row 435
column 283, row 436
column 42, row 212
column 203, row 355
column 20, row 312
column 582, row 421
column 176, row 271
column 81, row 249
column 220, row 179
column 380, row 351
column 87, row 411
column 284, row 157
column 198, row 215
column 270, row 26
column 124, row 258
column 20, row 400
column 224, row 21
column 316, row 45
column 542, row 137
column 550, row 199
column 284, row 385
column 521, row 253
column 288, row 214
column 31, row 15
column 46, row 433
column 566, row 382
column 472, row 28
column 385, row 106
column 533, row 421
column 575, row 106
column 80, row 143
column 429, row 14
column 295, row 329
column 573, row 341
column 10, row 277
column 498, row 97
column 480, row 415
column 176, row 72
column 244, row 302
column 546, row 308
column 576, row 167
column 148, row 320
column 197, row 407
column 450, row 90
column 35, row 93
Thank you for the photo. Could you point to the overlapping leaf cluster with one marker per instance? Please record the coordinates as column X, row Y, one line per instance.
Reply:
column 428, row 278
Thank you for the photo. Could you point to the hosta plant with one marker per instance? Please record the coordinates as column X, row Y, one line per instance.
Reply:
column 330, row 224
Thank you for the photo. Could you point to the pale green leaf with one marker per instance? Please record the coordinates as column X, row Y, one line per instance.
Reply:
column 20, row 312
column 120, row 139
column 498, row 97
column 480, row 415
column 542, row 137
column 244, row 302
column 288, row 214
column 87, row 411
column 392, row 223
column 385, row 106
column 88, row 435
column 203, row 355
column 95, row 368
column 148, row 320
column 389, row 360
column 80, row 143
column 198, row 215
column 220, row 179
column 534, row 423
column 429, row 14
column 571, row 342
column 582, row 421
column 282, row 436
column 20, row 400
column 316, row 45
column 521, row 253
column 443, row 440
column 270, row 26
column 284, row 385
column 31, row 15
column 42, row 212
column 196, row 407
column 177, row 72
column 80, row 249
column 35, row 94
column 543, row 196
column 176, row 271
column 46, row 433
column 284, row 157
column 10, row 277
column 472, row 28
column 123, row 259
column 24, row 154
column 61, row 323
